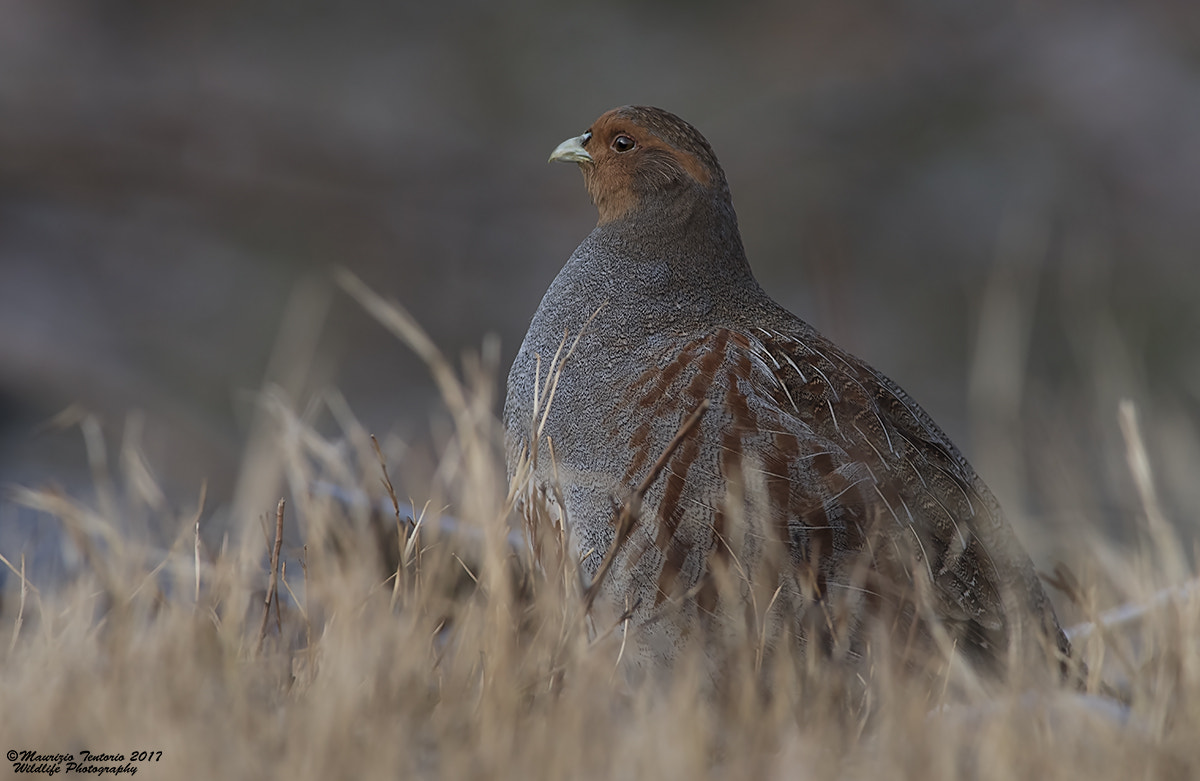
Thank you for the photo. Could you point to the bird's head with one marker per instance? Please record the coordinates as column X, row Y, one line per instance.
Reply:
column 635, row 154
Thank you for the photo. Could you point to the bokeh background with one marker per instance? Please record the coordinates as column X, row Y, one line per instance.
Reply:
column 996, row 203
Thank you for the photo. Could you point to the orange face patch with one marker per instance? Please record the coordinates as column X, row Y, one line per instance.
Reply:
column 629, row 160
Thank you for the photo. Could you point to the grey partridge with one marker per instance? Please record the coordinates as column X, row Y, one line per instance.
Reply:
column 812, row 498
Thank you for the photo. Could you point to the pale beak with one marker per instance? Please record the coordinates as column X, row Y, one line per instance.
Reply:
column 571, row 151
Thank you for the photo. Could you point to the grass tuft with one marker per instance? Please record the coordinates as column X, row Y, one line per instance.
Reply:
column 332, row 635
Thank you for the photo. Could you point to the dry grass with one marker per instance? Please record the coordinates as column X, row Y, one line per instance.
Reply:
column 384, row 646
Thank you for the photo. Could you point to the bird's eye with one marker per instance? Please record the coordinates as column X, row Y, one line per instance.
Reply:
column 623, row 143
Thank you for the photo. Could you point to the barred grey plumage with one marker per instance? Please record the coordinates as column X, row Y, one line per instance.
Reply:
column 824, row 489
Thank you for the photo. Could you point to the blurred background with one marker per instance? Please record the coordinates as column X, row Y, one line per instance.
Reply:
column 995, row 203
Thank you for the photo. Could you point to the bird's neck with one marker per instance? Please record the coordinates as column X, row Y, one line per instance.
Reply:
column 697, row 237
column 683, row 260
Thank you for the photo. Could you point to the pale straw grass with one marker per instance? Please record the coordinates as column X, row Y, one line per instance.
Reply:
column 334, row 638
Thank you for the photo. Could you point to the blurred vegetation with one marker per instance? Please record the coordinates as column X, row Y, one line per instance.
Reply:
column 304, row 648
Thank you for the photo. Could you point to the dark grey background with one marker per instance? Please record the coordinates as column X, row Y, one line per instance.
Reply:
column 998, row 204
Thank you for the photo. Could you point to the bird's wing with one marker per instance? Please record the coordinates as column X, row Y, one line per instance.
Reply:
column 894, row 483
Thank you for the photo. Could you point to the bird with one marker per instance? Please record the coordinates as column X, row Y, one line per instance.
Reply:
column 705, row 457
